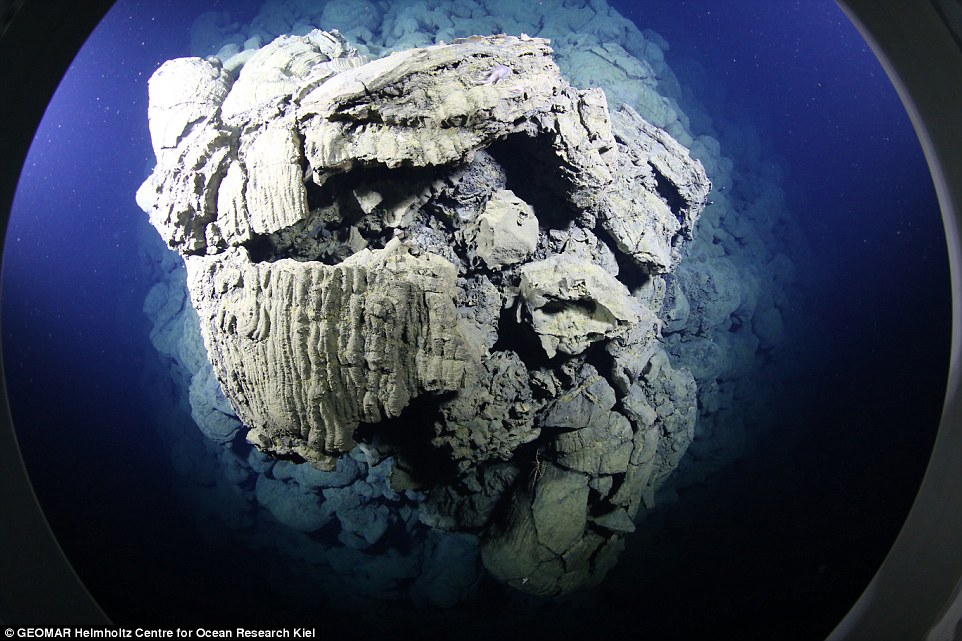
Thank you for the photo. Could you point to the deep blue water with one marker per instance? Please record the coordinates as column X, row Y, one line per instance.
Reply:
column 800, row 73
column 782, row 542
column 74, row 335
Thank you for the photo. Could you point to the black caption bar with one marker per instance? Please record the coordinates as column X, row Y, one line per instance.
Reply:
column 13, row 632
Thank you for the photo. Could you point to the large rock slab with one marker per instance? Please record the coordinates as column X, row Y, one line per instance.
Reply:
column 437, row 105
column 306, row 351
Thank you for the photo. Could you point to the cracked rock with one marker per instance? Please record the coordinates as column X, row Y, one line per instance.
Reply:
column 439, row 272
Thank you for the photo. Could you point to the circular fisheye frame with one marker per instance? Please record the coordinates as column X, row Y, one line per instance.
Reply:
column 576, row 310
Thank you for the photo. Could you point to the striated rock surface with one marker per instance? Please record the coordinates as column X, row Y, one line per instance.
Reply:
column 307, row 351
column 436, row 258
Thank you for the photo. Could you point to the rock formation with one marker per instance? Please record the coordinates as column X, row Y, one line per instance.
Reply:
column 443, row 262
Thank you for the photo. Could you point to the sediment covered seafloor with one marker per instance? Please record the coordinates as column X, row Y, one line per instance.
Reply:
column 459, row 291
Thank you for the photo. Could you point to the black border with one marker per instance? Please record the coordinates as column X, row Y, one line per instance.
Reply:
column 917, row 581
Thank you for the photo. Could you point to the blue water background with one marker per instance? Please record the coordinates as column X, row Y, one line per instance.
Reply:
column 74, row 334
column 829, row 487
column 809, row 516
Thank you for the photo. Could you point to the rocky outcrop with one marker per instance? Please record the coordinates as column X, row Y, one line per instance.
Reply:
column 658, row 194
column 491, row 418
column 574, row 303
column 434, row 257
column 506, row 231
